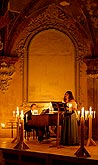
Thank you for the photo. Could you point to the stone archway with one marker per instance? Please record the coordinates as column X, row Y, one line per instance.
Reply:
column 48, row 19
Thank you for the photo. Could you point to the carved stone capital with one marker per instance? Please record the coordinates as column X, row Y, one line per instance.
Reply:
column 92, row 66
column 8, row 59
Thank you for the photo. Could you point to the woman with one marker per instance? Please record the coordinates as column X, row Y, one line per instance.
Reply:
column 69, row 132
column 70, row 101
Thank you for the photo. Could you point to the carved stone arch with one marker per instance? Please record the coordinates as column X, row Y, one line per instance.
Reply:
column 54, row 18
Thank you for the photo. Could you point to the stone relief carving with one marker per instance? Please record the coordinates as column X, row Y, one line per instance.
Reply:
column 53, row 17
column 6, row 72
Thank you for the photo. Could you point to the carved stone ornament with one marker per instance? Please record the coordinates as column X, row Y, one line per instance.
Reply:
column 49, row 19
column 92, row 66
column 6, row 71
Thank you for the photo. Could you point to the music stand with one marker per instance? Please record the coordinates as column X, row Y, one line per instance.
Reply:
column 59, row 107
column 62, row 106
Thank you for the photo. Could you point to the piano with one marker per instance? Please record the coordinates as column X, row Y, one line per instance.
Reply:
column 48, row 119
column 45, row 120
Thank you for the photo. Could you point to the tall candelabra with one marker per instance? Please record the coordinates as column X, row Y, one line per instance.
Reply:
column 82, row 152
column 16, row 116
column 91, row 115
column 20, row 131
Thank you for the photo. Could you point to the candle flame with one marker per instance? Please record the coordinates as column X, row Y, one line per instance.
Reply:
column 90, row 109
column 2, row 125
column 82, row 112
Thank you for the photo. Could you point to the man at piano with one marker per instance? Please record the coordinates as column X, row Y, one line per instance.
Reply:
column 41, row 123
column 40, row 131
column 27, row 117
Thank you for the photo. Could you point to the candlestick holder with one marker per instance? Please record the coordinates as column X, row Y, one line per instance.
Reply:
column 21, row 144
column 20, row 131
column 17, row 131
column 90, row 141
column 82, row 152
column 16, row 115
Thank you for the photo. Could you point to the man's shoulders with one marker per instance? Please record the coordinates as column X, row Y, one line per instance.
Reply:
column 28, row 112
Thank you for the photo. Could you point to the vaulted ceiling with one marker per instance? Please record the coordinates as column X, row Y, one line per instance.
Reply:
column 84, row 12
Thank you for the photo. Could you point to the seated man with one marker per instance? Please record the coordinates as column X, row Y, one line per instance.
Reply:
column 28, row 116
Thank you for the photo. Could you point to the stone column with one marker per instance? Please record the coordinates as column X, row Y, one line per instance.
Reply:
column 92, row 89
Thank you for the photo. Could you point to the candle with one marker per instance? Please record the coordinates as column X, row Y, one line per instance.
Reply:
column 82, row 112
column 78, row 113
column 90, row 109
column 3, row 125
column 86, row 115
column 82, row 127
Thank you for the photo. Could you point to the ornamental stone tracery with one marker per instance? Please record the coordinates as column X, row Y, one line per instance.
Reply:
column 50, row 19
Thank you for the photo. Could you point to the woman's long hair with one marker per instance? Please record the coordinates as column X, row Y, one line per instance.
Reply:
column 71, row 97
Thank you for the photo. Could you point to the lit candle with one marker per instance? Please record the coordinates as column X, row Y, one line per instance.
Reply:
column 86, row 115
column 90, row 110
column 82, row 112
column 82, row 127
column 78, row 113
column 2, row 125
